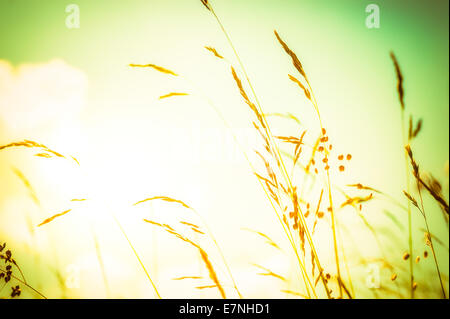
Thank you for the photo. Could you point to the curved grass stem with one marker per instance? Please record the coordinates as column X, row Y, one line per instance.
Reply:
column 408, row 188
column 330, row 199
column 431, row 242
column 274, row 146
column 138, row 258
column 27, row 285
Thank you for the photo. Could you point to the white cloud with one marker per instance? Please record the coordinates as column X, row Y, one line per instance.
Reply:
column 40, row 96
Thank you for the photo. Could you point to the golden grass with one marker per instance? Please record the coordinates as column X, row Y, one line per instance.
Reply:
column 187, row 277
column 154, row 66
column 48, row 220
column 203, row 254
column 268, row 272
column 164, row 198
column 401, row 93
column 421, row 208
column 214, row 51
column 32, row 144
column 172, row 94
column 269, row 241
column 27, row 184
column 8, row 273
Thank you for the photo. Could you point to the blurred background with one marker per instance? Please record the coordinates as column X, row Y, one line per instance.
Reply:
column 73, row 90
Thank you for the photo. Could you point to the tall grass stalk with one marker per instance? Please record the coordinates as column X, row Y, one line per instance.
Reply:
column 431, row 242
column 421, row 208
column 330, row 198
column 138, row 258
column 100, row 262
column 305, row 277
column 400, row 92
column 26, row 284
column 275, row 147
